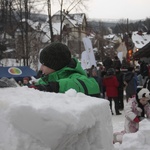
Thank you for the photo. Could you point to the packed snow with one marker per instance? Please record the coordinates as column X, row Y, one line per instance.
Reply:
column 132, row 141
column 36, row 120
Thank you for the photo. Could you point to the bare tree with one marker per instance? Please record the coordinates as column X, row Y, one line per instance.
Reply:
column 23, row 10
column 65, row 6
column 50, row 19
column 100, row 42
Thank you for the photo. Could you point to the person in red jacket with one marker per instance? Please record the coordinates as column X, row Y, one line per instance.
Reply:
column 111, row 84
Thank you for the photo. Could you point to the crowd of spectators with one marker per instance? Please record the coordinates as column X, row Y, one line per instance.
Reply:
column 124, row 84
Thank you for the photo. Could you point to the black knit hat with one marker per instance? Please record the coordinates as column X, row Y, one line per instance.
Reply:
column 55, row 56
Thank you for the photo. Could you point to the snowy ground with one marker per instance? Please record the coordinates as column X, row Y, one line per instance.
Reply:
column 118, row 125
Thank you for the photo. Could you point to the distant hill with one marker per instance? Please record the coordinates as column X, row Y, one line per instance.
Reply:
column 39, row 17
column 97, row 25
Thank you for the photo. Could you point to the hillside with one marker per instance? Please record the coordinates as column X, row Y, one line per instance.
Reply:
column 98, row 25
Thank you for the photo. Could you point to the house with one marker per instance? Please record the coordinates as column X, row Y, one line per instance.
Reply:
column 140, row 39
column 143, row 52
column 142, row 44
column 133, row 43
column 74, row 29
column 113, row 42
column 73, row 24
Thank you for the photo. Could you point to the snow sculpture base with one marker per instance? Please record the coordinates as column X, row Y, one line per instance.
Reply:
column 35, row 120
column 140, row 139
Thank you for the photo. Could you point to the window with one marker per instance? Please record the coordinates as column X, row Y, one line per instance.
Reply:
column 137, row 42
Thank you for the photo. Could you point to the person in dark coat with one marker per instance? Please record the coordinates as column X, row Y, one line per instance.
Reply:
column 99, row 80
column 108, row 63
column 143, row 68
column 119, row 76
column 111, row 84
column 130, row 81
column 116, row 62
column 125, row 64
column 147, row 83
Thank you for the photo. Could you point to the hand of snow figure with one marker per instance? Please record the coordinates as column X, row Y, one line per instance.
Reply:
column 139, row 109
column 51, row 87
column 136, row 119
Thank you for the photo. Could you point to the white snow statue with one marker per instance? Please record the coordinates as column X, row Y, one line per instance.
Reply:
column 36, row 120
column 138, row 140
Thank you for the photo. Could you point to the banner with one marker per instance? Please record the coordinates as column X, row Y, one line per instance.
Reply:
column 88, row 56
column 85, row 62
column 120, row 56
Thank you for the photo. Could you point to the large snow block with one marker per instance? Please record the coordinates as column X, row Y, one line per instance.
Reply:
column 35, row 120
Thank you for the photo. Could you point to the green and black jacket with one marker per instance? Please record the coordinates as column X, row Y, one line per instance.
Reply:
column 72, row 77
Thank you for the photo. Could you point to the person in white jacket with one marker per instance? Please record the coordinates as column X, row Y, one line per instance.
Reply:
column 133, row 113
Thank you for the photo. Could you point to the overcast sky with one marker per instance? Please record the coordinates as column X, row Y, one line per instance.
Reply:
column 119, row 9
column 113, row 9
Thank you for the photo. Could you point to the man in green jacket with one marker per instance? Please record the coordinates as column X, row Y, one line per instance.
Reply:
column 61, row 72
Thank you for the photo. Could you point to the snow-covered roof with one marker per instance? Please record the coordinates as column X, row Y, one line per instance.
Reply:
column 34, row 25
column 9, row 50
column 6, row 35
column 74, row 19
column 140, row 40
column 45, row 28
column 109, row 36
column 78, row 17
column 117, row 38
column 56, row 28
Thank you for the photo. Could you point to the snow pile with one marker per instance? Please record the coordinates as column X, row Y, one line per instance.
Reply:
column 35, row 120
column 138, row 140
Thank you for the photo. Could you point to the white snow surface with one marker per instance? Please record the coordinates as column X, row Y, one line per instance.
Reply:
column 36, row 120
column 139, row 140
column 132, row 141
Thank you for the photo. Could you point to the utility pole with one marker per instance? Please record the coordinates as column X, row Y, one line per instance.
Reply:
column 127, row 56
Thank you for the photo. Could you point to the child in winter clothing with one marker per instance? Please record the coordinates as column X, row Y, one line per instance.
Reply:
column 133, row 113
column 61, row 72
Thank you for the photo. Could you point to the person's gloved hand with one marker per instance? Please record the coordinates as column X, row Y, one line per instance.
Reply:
column 41, row 87
column 51, row 87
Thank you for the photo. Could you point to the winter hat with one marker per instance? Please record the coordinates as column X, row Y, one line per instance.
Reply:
column 26, row 78
column 144, row 93
column 55, row 56
column 131, row 68
column 110, row 71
